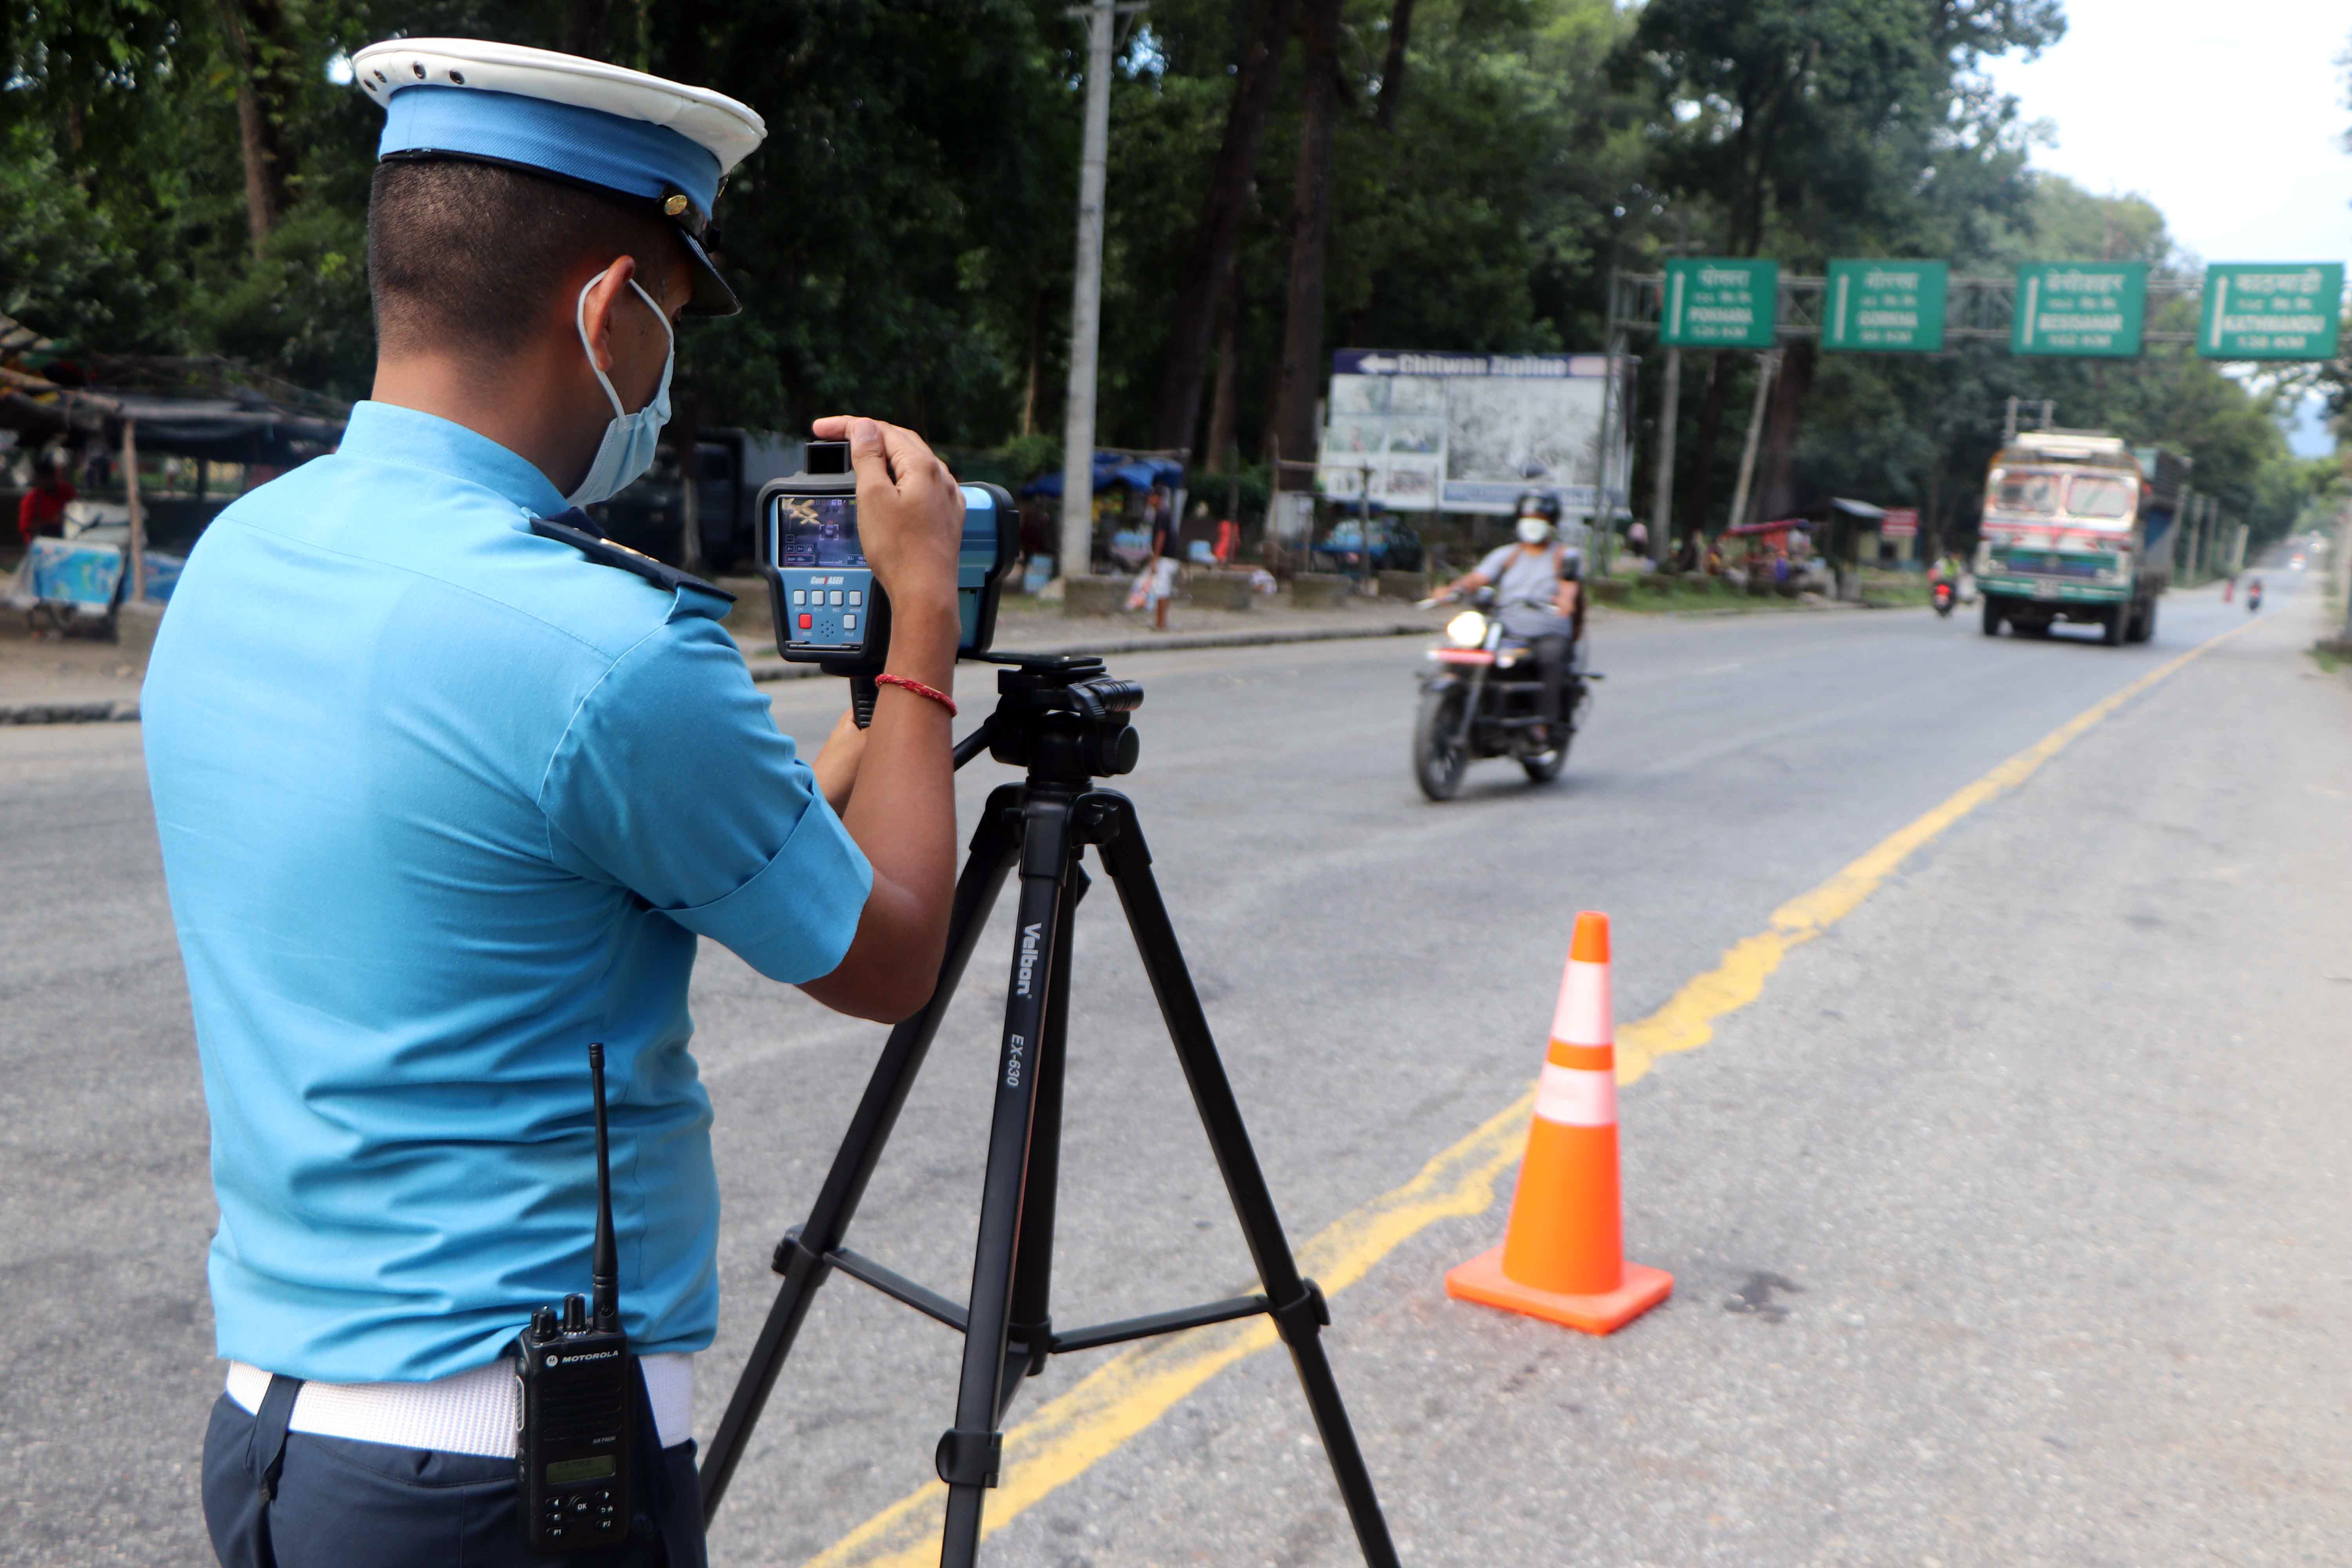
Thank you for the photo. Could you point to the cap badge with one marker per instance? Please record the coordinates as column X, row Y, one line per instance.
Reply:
column 675, row 205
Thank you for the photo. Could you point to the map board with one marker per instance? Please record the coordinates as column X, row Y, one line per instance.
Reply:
column 2084, row 309
column 1720, row 302
column 2272, row 310
column 1884, row 307
column 1469, row 433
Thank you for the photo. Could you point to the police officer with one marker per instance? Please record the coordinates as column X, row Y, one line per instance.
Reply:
column 447, row 788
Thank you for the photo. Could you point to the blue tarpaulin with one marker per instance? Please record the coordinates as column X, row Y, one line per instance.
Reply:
column 1114, row 468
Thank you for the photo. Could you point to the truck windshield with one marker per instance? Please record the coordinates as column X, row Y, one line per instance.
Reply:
column 2101, row 498
column 2027, row 492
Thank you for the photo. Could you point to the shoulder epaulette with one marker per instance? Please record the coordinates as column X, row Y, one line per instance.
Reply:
column 605, row 553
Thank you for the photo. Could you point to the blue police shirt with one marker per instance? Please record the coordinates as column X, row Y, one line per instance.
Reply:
column 441, row 801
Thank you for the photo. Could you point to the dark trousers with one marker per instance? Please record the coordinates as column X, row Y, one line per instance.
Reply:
column 280, row 1500
column 1551, row 663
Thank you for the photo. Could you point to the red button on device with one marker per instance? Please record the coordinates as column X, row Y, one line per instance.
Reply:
column 805, row 622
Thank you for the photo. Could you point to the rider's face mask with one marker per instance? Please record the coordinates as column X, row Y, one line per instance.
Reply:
column 1534, row 531
column 627, row 448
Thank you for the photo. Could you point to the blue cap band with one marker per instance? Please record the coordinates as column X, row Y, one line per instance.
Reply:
column 635, row 157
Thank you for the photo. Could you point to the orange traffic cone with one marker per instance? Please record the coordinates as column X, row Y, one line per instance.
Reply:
column 1563, row 1256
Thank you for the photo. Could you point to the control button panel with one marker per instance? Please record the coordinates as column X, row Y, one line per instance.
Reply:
column 824, row 607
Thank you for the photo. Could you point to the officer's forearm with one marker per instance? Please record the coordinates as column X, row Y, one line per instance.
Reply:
column 901, row 812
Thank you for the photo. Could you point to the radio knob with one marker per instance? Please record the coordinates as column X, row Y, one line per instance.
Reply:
column 575, row 1314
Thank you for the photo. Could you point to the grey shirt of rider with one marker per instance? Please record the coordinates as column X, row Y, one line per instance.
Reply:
column 1522, row 582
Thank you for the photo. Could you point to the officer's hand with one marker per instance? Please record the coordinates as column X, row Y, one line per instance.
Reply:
column 909, row 513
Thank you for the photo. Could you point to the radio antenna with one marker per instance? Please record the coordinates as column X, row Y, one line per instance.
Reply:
column 603, row 1272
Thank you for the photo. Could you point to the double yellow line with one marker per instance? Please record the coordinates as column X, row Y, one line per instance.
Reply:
column 1070, row 1434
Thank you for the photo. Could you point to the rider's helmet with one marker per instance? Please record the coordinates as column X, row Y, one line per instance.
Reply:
column 1537, row 507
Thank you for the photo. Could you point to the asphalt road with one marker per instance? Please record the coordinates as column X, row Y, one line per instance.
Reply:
column 2008, row 1221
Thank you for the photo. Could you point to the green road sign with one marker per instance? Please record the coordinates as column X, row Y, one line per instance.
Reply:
column 2272, row 310
column 1718, row 303
column 2081, row 308
column 1884, row 307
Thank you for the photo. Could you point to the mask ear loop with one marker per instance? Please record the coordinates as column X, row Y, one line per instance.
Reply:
column 580, row 325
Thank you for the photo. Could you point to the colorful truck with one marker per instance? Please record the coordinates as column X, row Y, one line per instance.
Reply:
column 2077, row 527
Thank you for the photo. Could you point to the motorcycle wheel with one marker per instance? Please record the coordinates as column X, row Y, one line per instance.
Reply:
column 1438, row 761
column 1544, row 766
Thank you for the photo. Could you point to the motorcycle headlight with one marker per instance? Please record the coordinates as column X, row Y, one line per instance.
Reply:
column 1469, row 629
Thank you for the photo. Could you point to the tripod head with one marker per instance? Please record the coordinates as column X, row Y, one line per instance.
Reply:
column 1060, row 716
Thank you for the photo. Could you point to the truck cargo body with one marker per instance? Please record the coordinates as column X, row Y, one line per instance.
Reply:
column 2077, row 527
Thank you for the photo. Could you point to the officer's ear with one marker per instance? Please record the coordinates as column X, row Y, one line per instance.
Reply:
column 604, row 298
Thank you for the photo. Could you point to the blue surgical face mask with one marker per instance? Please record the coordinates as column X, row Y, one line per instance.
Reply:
column 627, row 448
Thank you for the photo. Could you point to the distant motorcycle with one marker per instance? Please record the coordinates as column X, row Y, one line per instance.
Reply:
column 1483, row 697
column 2253, row 595
column 1942, row 595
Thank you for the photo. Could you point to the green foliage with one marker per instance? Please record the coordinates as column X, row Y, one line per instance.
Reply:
column 903, row 241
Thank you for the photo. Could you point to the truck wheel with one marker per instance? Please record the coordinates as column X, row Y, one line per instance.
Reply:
column 1991, row 617
column 2148, row 623
column 2111, row 625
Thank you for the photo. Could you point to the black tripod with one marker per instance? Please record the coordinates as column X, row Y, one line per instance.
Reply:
column 1065, row 722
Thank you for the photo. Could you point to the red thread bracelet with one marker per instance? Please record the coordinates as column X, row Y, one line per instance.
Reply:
column 919, row 689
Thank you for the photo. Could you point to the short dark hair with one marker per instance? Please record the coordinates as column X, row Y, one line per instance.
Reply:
column 467, row 253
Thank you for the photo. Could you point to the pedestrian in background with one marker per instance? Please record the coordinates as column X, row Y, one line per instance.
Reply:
column 42, row 512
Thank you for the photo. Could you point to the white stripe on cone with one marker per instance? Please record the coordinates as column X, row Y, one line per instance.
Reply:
column 1582, row 1017
column 1577, row 1097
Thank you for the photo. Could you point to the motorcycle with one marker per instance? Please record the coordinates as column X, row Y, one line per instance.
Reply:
column 1483, row 697
column 1942, row 594
column 2254, row 595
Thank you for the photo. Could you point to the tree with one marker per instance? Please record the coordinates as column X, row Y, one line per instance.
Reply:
column 1207, row 276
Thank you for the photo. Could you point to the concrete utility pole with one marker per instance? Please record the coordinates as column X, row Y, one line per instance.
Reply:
column 1662, row 492
column 1768, row 365
column 1086, row 294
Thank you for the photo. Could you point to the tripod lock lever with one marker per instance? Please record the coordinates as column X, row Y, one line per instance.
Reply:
column 969, row 1458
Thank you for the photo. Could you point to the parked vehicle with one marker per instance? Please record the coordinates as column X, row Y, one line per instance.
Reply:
column 2077, row 527
column 1394, row 547
column 731, row 467
column 1483, row 697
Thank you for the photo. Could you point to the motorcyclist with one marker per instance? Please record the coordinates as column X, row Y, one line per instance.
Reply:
column 1538, row 590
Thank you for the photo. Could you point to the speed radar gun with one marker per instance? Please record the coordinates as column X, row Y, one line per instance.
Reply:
column 830, row 611
column 1066, row 723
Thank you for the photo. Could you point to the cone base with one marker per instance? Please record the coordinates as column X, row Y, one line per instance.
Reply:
column 1482, row 1279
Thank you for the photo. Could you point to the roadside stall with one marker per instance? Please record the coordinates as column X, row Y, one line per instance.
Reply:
column 1776, row 557
column 1122, row 481
column 171, row 441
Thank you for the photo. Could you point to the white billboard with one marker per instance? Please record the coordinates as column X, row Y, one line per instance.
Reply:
column 1447, row 432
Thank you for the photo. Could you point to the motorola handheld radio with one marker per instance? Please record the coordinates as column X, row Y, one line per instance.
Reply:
column 579, row 1404
column 829, row 609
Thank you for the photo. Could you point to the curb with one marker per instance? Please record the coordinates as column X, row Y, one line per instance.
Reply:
column 104, row 711
column 765, row 670
column 771, row 669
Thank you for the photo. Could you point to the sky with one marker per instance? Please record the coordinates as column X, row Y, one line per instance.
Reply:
column 2230, row 117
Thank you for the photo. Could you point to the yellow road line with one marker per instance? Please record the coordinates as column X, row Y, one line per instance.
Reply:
column 1069, row 1433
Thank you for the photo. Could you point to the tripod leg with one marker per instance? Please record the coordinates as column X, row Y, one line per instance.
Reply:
column 801, row 1258
column 1298, row 1309
column 967, row 1453
column 1032, row 1325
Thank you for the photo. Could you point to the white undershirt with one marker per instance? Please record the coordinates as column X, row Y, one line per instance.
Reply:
column 465, row 1412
